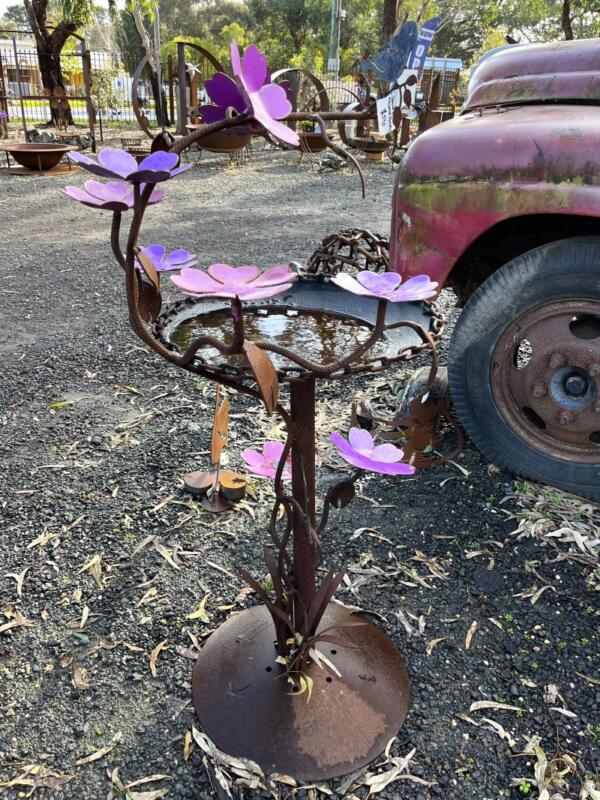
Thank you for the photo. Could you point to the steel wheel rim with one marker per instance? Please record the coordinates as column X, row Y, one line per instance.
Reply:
column 545, row 379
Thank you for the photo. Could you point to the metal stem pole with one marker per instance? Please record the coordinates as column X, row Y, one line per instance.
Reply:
column 181, row 74
column 302, row 410
column 18, row 76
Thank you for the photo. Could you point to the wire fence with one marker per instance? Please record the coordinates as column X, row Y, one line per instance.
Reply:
column 111, row 91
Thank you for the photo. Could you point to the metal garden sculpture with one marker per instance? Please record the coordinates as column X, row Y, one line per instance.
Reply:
column 299, row 684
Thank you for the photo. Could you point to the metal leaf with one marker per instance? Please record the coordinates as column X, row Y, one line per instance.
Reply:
column 265, row 375
column 149, row 299
column 149, row 269
column 342, row 494
column 220, row 426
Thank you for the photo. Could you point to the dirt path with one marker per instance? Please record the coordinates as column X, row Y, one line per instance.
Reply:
column 103, row 558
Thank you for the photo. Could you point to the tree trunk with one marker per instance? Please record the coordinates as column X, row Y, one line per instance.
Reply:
column 388, row 22
column 566, row 21
column 49, row 47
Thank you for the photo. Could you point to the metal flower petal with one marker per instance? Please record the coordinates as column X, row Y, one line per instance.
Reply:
column 118, row 164
column 387, row 286
column 111, row 196
column 225, row 281
column 265, row 463
column 361, row 452
column 267, row 101
column 224, row 93
column 178, row 259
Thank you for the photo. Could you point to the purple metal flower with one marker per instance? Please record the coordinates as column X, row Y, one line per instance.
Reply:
column 265, row 463
column 178, row 259
column 246, row 283
column 120, row 165
column 227, row 99
column 362, row 452
column 3, row 115
column 112, row 196
column 268, row 101
column 387, row 286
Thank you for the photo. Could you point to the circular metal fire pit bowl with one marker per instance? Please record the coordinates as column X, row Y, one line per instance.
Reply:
column 315, row 318
column 312, row 141
column 38, row 157
column 260, row 716
column 223, row 141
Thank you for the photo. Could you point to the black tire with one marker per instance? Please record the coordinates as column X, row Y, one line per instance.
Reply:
column 566, row 270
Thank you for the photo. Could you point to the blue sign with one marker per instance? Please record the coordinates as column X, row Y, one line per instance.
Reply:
column 416, row 59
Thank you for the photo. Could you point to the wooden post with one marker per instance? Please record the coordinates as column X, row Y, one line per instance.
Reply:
column 183, row 106
column 171, row 76
column 86, row 64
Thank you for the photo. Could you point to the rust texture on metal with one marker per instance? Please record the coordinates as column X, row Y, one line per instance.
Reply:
column 347, row 250
column 526, row 153
column 562, row 71
column 221, row 141
column 347, row 721
column 38, row 157
column 424, row 407
column 546, row 377
column 219, row 489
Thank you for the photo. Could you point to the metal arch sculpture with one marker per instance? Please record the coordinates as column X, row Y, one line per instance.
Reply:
column 310, row 141
column 203, row 51
column 321, row 92
column 140, row 116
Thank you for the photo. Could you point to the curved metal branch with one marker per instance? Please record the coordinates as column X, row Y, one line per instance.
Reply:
column 323, row 370
column 115, row 239
column 330, row 492
column 192, row 138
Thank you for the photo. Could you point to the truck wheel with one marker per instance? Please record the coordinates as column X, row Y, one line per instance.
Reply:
column 524, row 366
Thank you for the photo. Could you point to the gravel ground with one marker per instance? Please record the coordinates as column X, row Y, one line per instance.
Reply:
column 103, row 557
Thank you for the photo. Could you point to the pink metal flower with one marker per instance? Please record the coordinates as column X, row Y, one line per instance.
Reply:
column 387, row 286
column 362, row 452
column 268, row 101
column 111, row 196
column 246, row 283
column 265, row 463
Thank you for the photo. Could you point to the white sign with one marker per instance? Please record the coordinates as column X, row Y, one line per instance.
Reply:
column 385, row 111
column 385, row 115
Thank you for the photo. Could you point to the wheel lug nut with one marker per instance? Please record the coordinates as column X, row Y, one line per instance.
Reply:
column 539, row 390
column 557, row 360
column 564, row 418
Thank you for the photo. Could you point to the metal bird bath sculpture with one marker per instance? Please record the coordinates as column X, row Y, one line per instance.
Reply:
column 299, row 684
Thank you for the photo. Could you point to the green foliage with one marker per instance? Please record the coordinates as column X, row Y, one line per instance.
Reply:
column 73, row 12
column 15, row 17
column 104, row 95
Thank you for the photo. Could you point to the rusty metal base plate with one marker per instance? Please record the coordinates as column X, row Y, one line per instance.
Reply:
column 248, row 708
